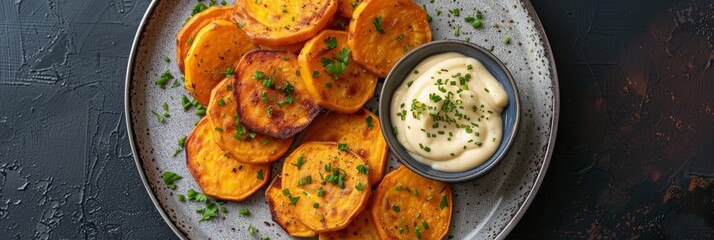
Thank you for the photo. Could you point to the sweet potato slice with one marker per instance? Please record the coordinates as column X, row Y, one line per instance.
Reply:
column 382, row 31
column 409, row 206
column 334, row 80
column 232, row 137
column 283, row 22
column 362, row 228
column 280, row 210
column 325, row 189
column 271, row 97
column 217, row 47
column 187, row 34
column 216, row 173
column 360, row 131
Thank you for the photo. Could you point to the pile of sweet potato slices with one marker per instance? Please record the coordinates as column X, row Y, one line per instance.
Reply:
column 267, row 70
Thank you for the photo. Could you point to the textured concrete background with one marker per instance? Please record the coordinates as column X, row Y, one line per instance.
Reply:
column 633, row 155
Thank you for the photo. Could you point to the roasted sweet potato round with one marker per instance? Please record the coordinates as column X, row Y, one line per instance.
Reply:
column 216, row 48
column 325, row 188
column 409, row 206
column 361, row 133
column 362, row 228
column 232, row 137
column 334, row 80
column 186, row 36
column 216, row 173
column 382, row 31
column 271, row 97
column 283, row 22
column 278, row 203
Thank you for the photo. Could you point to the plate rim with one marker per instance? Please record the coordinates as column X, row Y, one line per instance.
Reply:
column 502, row 235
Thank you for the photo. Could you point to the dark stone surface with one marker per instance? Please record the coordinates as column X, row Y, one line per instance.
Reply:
column 633, row 156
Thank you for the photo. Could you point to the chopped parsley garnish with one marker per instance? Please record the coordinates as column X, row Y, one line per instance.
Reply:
column 401, row 37
column 221, row 102
column 320, row 192
column 169, row 179
column 396, row 208
column 159, row 117
column 378, row 24
column 359, row 187
column 300, row 161
column 165, row 77
column 287, row 100
column 265, row 141
column 456, row 12
column 258, row 75
column 315, row 74
column 337, row 65
column 167, row 59
column 331, row 42
column 294, row 200
column 507, row 40
column 251, row 230
column 209, row 212
column 343, row 147
column 368, row 120
column 228, row 72
column 200, row 110
column 305, row 180
column 477, row 24
column 182, row 141
column 260, row 175
column 269, row 111
column 363, row 169
column 286, row 192
column 244, row 212
column 192, row 195
column 185, row 103
column 199, row 7
column 443, row 202
column 181, row 197
column 315, row 205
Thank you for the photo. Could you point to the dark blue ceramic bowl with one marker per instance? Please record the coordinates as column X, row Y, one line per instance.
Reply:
column 509, row 115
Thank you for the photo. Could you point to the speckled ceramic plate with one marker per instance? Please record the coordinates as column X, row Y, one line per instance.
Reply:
column 486, row 208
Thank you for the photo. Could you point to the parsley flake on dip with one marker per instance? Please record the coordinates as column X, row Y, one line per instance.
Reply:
column 447, row 112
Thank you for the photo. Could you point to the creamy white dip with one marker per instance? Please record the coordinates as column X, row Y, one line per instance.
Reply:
column 447, row 113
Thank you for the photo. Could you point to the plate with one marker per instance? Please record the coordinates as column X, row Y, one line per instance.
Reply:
column 485, row 208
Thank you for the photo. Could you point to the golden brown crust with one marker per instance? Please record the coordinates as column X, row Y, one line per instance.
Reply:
column 217, row 47
column 404, row 198
column 404, row 26
column 280, row 210
column 339, row 204
column 189, row 30
column 279, row 23
column 352, row 129
column 346, row 92
column 216, row 173
column 274, row 110
column 232, row 137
